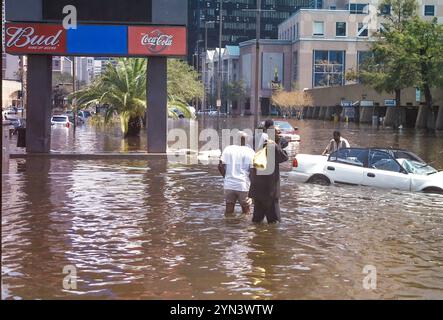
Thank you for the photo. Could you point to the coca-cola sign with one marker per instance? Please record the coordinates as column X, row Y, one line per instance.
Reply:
column 159, row 41
column 36, row 38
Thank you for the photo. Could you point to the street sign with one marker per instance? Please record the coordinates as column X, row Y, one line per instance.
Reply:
column 346, row 103
column 219, row 103
column 390, row 103
column 366, row 103
column 417, row 95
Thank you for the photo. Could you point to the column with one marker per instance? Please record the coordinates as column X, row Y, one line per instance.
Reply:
column 38, row 110
column 157, row 100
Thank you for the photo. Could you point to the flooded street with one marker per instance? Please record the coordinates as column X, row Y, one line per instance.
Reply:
column 155, row 230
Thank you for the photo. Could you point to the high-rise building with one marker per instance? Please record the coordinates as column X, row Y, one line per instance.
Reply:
column 238, row 21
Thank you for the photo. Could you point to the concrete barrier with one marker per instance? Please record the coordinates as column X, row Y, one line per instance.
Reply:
column 310, row 113
column 304, row 112
column 425, row 118
column 391, row 116
column 366, row 114
column 439, row 122
column 329, row 113
column 322, row 113
column 316, row 112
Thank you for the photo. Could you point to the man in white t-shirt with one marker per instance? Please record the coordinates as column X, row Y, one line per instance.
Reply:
column 235, row 165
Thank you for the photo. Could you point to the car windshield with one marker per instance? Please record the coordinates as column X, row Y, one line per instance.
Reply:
column 59, row 119
column 283, row 125
column 416, row 167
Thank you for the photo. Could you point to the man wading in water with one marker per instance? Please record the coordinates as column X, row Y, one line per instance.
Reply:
column 265, row 189
column 235, row 166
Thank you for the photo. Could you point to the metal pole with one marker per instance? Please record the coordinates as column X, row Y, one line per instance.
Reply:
column 257, row 63
column 73, row 91
column 219, row 61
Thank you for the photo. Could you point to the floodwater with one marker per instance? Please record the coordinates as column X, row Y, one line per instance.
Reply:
column 156, row 230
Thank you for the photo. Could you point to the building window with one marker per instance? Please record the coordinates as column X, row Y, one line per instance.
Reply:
column 358, row 8
column 362, row 30
column 362, row 57
column 328, row 68
column 334, row 7
column 429, row 10
column 340, row 29
column 319, row 28
column 386, row 10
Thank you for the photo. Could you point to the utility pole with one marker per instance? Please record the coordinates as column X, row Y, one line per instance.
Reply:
column 258, row 11
column 219, row 62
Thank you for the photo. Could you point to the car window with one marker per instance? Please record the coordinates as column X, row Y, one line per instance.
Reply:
column 383, row 161
column 283, row 125
column 355, row 157
column 59, row 119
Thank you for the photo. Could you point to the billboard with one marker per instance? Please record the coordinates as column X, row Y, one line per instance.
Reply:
column 139, row 11
column 95, row 40
column 28, row 38
column 157, row 41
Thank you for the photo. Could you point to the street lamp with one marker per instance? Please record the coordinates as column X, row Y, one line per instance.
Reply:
column 258, row 12
column 204, row 62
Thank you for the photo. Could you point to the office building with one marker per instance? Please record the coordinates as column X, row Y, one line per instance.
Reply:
column 238, row 21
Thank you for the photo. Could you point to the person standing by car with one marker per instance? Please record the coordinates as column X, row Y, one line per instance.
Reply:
column 337, row 143
column 235, row 166
column 265, row 189
column 263, row 136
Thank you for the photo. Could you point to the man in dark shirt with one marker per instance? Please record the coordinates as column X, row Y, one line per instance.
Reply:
column 265, row 189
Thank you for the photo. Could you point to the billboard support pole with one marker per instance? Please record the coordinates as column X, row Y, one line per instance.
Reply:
column 157, row 101
column 38, row 122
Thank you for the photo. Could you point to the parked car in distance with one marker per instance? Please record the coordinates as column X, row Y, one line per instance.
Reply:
column 375, row 167
column 287, row 130
column 10, row 114
column 60, row 121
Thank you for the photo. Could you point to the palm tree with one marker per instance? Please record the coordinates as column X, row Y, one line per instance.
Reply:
column 122, row 87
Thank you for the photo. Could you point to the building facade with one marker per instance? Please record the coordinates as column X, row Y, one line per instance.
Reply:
column 316, row 47
column 238, row 21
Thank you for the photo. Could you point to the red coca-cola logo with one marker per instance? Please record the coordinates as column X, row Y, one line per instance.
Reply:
column 38, row 38
column 155, row 41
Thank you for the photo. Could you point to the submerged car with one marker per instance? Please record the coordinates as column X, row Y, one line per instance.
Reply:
column 376, row 167
column 60, row 121
column 287, row 130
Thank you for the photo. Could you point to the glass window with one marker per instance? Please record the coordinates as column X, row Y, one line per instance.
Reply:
column 362, row 30
column 382, row 161
column 319, row 28
column 359, row 8
column 340, row 29
column 429, row 10
column 328, row 68
column 355, row 157
column 386, row 9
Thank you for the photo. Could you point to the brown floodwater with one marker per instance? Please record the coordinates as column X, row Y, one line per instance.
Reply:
column 155, row 230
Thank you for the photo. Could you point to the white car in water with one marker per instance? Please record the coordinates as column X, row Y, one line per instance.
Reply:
column 376, row 167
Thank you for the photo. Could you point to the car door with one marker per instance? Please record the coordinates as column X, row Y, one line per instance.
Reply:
column 385, row 172
column 346, row 166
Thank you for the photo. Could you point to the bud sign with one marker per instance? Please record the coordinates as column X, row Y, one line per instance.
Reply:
column 35, row 38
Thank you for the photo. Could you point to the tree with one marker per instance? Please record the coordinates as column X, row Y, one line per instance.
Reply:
column 424, row 40
column 123, row 88
column 234, row 91
column 390, row 68
column 288, row 100
column 61, row 78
